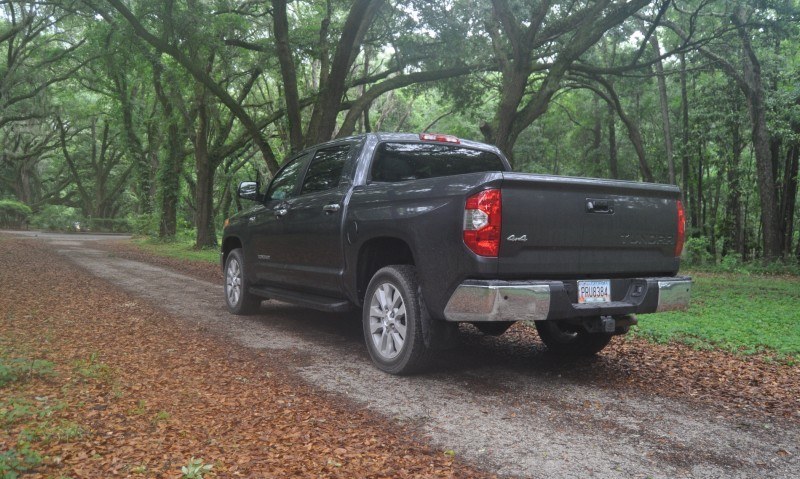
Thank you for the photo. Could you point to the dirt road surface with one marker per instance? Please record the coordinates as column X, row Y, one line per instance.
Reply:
column 508, row 411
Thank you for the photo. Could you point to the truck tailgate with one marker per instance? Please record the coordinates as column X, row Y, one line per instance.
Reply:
column 583, row 228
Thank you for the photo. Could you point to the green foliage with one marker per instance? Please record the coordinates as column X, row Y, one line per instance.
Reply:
column 145, row 224
column 14, row 214
column 16, row 461
column 57, row 218
column 52, row 431
column 22, row 369
column 696, row 251
column 15, row 409
column 195, row 469
column 742, row 314
column 91, row 368
column 179, row 248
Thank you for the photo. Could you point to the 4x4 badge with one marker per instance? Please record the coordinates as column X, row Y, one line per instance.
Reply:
column 517, row 238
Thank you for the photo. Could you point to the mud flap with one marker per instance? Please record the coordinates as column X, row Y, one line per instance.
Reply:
column 437, row 334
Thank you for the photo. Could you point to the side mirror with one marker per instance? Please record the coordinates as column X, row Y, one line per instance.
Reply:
column 248, row 190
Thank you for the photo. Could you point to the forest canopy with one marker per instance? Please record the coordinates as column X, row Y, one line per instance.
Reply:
column 144, row 115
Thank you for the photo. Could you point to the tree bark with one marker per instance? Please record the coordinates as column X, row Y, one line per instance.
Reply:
column 323, row 118
column 134, row 144
column 288, row 73
column 170, row 167
column 663, row 100
column 685, row 150
column 612, row 143
column 789, row 197
column 204, row 171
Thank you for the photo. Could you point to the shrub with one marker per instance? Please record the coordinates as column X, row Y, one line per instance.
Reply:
column 14, row 214
column 56, row 218
column 696, row 251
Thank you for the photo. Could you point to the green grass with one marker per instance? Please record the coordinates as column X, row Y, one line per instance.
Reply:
column 180, row 249
column 738, row 313
column 20, row 369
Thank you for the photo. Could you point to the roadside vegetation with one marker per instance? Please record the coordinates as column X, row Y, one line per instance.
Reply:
column 744, row 314
column 181, row 248
column 31, row 420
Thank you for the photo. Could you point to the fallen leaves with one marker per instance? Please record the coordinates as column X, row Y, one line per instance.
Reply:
column 148, row 393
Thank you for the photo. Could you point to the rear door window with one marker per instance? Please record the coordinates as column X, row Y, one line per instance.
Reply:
column 414, row 161
column 325, row 170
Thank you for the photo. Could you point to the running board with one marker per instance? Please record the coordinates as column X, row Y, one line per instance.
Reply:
column 313, row 301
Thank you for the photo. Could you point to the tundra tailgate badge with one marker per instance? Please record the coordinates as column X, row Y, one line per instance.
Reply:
column 514, row 238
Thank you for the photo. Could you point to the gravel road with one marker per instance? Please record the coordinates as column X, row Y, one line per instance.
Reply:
column 507, row 411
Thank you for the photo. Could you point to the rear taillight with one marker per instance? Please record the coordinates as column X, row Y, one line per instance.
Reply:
column 482, row 220
column 681, row 236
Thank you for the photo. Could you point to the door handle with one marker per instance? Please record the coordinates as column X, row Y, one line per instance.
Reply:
column 601, row 206
column 280, row 211
column 332, row 208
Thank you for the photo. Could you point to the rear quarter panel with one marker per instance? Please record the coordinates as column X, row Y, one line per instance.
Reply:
column 426, row 214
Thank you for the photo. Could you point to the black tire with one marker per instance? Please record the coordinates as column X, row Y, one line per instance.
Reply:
column 561, row 339
column 237, row 297
column 493, row 328
column 392, row 321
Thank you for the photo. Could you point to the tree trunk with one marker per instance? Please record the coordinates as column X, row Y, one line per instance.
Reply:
column 288, row 73
column 789, row 197
column 754, row 92
column 733, row 227
column 685, row 168
column 662, row 95
column 170, row 167
column 323, row 119
column 204, row 170
column 633, row 130
column 612, row 143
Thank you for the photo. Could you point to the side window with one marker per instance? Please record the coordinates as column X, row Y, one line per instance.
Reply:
column 325, row 170
column 283, row 184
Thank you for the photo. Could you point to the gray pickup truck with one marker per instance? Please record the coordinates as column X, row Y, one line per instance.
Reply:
column 422, row 232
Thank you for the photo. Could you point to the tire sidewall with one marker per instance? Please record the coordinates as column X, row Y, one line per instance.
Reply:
column 395, row 277
column 235, row 255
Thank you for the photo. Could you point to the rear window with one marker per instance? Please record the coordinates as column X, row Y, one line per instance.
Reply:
column 415, row 161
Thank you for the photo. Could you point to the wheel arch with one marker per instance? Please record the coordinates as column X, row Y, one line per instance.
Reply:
column 377, row 253
column 229, row 244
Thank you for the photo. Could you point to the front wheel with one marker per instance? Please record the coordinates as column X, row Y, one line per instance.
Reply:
column 561, row 338
column 239, row 300
column 392, row 321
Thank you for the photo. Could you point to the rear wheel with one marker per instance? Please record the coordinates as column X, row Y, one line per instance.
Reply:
column 562, row 338
column 238, row 299
column 392, row 321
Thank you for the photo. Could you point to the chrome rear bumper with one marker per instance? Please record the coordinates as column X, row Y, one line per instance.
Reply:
column 490, row 300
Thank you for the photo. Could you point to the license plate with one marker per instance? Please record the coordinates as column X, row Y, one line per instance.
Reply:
column 594, row 291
